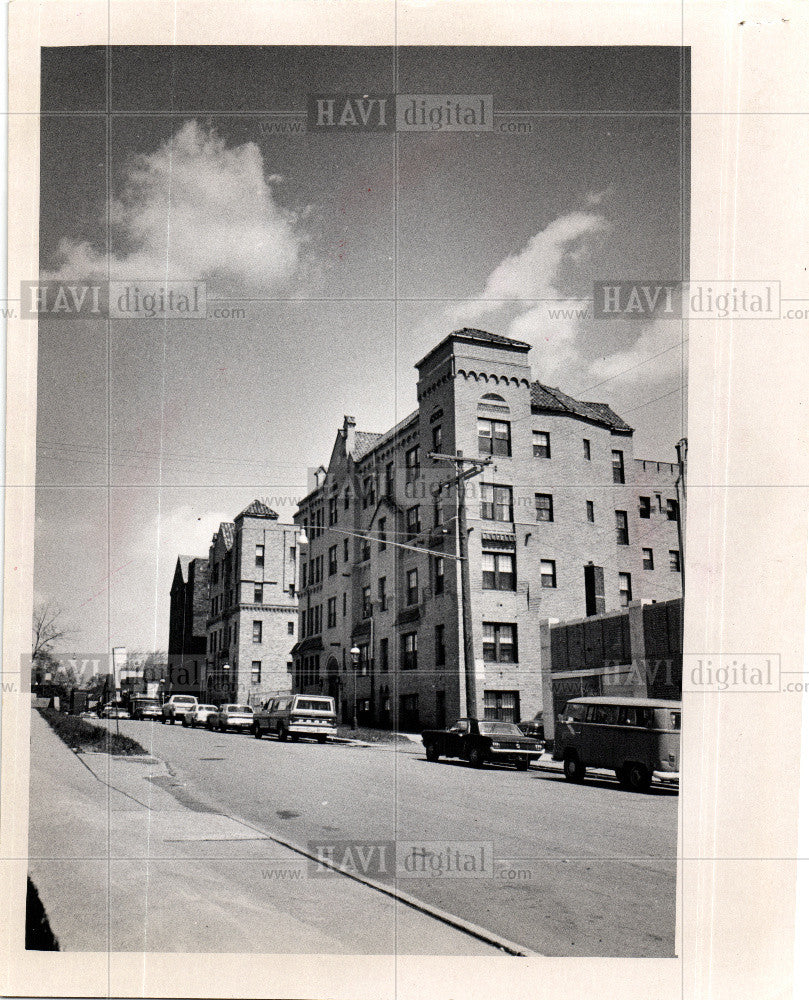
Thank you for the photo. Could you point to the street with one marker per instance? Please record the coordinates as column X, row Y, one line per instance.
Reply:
column 578, row 869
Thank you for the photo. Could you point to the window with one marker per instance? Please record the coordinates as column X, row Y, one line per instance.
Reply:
column 363, row 667
column 542, row 444
column 547, row 569
column 256, row 631
column 345, row 550
column 332, row 560
column 586, row 445
column 365, row 549
column 383, row 537
column 345, row 604
column 618, row 467
column 331, row 612
column 332, row 510
column 383, row 655
column 255, row 672
column 591, row 513
column 645, row 507
column 621, row 528
column 439, row 574
column 410, row 651
column 671, row 510
column 440, row 648
column 544, row 505
column 648, row 559
column 346, row 498
column 366, row 602
column 258, row 593
column 389, row 479
column 412, row 464
column 499, row 642
column 413, row 521
column 499, row 571
column 496, row 503
column 382, row 594
column 501, row 706
column 290, row 628
column 304, row 567
column 625, row 588
column 437, row 438
column 494, row 437
column 259, row 555
column 412, row 586
column 674, row 560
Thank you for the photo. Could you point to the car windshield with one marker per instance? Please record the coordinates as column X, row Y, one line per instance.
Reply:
column 499, row 729
column 146, row 702
column 239, row 709
column 314, row 705
column 207, row 708
column 185, row 700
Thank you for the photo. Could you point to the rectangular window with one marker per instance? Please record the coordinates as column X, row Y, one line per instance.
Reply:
column 366, row 602
column 645, row 507
column 671, row 510
column 496, row 503
column 438, row 565
column 586, row 445
column 542, row 444
column 412, row 464
column 501, row 706
column 544, row 506
column 413, row 521
column 345, row 550
column 345, row 604
column 625, row 588
column 494, row 437
column 257, row 628
column 591, row 512
column 383, row 536
column 413, row 586
column 618, row 467
column 255, row 672
column 383, row 655
column 499, row 572
column 547, row 569
column 382, row 594
column 437, row 438
column 332, row 510
column 499, row 642
column 346, row 499
column 331, row 612
column 259, row 555
column 410, row 651
column 621, row 527
column 648, row 559
column 440, row 648
column 304, row 567
column 258, row 593
column 290, row 628
column 365, row 549
column 674, row 560
column 389, row 479
column 332, row 560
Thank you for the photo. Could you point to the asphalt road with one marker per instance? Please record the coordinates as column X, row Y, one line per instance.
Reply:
column 578, row 869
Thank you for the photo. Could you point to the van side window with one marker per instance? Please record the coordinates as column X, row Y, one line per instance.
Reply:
column 605, row 714
column 575, row 713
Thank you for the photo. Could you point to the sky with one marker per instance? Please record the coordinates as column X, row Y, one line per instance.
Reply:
column 351, row 256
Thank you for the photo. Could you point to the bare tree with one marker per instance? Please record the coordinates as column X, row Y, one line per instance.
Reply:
column 47, row 629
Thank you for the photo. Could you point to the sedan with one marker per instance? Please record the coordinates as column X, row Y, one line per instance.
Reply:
column 114, row 710
column 238, row 717
column 482, row 741
column 199, row 715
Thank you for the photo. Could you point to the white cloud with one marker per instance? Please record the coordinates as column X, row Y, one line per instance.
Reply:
column 659, row 342
column 195, row 209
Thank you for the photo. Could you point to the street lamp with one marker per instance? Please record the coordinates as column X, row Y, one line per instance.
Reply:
column 226, row 668
column 355, row 662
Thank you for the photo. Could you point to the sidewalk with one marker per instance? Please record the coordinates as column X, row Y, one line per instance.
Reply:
column 125, row 858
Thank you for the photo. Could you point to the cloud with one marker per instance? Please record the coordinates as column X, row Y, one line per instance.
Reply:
column 195, row 209
column 659, row 342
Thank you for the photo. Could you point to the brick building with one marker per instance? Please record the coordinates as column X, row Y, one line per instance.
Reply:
column 188, row 615
column 252, row 609
column 563, row 523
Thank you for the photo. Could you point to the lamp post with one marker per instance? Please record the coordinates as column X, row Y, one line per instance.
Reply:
column 226, row 669
column 355, row 661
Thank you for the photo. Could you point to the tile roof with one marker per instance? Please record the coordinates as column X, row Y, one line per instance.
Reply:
column 484, row 337
column 543, row 397
column 258, row 509
column 227, row 528
column 364, row 441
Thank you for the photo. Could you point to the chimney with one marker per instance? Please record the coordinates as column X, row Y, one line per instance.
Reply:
column 349, row 428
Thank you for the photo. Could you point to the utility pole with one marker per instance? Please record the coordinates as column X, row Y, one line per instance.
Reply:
column 682, row 454
column 467, row 468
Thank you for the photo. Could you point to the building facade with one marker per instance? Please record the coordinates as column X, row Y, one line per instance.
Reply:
column 188, row 615
column 252, row 607
column 563, row 522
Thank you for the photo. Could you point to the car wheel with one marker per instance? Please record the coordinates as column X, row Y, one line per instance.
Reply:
column 476, row 757
column 522, row 765
column 294, row 737
column 282, row 734
column 321, row 739
column 257, row 730
column 574, row 770
column 185, row 721
column 163, row 719
column 637, row 778
column 431, row 752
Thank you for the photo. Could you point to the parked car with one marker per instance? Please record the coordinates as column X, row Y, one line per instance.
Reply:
column 231, row 717
column 297, row 715
column 177, row 706
column 115, row 710
column 146, row 708
column 199, row 715
column 533, row 727
column 479, row 741
column 638, row 738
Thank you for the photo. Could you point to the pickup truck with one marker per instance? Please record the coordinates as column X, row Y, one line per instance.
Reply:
column 482, row 741
column 297, row 715
column 176, row 707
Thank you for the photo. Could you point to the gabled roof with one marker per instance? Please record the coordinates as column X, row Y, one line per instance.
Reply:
column 183, row 562
column 226, row 529
column 364, row 442
column 258, row 509
column 543, row 397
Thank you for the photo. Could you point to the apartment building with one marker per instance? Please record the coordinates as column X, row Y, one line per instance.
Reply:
column 253, row 607
column 188, row 613
column 563, row 522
